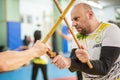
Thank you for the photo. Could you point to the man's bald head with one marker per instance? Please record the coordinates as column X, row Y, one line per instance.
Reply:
column 84, row 6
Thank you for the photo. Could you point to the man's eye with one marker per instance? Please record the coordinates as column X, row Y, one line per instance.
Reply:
column 76, row 19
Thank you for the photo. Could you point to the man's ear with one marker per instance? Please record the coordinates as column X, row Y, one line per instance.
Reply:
column 90, row 14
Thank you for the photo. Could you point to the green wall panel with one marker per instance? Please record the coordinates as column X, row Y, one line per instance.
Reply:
column 2, row 10
column 3, row 34
column 13, row 10
column 56, row 16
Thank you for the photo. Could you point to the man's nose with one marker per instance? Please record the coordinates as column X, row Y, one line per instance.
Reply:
column 73, row 23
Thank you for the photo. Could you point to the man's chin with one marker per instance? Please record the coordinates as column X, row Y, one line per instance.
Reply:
column 82, row 33
column 79, row 31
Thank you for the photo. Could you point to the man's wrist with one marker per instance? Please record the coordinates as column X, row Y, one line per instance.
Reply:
column 32, row 52
column 69, row 62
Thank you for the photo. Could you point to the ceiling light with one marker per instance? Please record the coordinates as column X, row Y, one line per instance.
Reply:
column 94, row 4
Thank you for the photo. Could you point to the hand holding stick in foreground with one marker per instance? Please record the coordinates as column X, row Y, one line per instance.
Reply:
column 12, row 60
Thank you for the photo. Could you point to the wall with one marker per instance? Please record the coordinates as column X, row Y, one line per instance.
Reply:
column 8, row 19
column 105, row 14
column 3, row 27
column 39, row 12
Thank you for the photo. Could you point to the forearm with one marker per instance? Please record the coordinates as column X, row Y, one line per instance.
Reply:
column 12, row 60
column 100, row 67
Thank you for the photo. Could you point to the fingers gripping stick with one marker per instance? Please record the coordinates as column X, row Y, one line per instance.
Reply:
column 51, row 54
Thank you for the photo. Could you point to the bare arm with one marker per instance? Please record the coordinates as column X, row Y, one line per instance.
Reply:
column 11, row 60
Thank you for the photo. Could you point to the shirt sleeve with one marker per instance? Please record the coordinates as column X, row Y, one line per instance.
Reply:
column 111, row 36
column 100, row 67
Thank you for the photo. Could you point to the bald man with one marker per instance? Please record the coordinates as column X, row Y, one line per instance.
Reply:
column 100, row 45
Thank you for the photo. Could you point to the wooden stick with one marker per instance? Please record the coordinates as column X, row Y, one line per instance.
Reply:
column 68, row 25
column 56, row 25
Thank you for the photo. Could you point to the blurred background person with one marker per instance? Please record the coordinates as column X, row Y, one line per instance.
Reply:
column 39, row 62
column 26, row 42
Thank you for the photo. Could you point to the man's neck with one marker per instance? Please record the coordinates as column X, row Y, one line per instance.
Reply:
column 95, row 26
